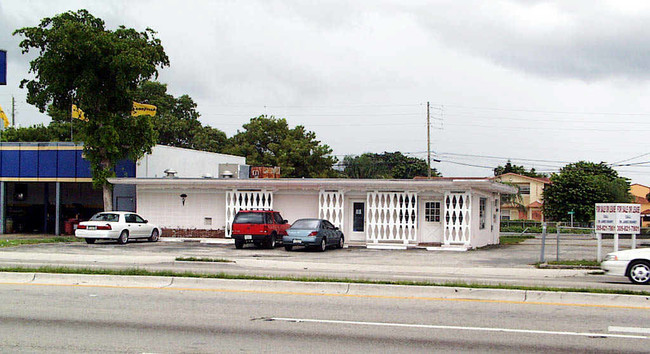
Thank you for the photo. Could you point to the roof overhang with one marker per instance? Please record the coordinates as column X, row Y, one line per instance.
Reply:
column 486, row 185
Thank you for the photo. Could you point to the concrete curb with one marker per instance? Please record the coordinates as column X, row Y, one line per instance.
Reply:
column 333, row 289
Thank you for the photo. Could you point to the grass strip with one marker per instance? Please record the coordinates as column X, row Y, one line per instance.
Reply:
column 575, row 263
column 513, row 240
column 201, row 259
column 170, row 273
column 33, row 241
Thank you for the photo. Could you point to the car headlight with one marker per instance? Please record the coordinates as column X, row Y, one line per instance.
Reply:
column 611, row 257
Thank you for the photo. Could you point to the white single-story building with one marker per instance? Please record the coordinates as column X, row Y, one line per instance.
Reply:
column 450, row 213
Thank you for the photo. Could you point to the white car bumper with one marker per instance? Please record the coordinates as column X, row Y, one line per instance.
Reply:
column 614, row 267
column 101, row 234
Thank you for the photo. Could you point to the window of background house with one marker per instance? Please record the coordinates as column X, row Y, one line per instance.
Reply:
column 432, row 211
column 481, row 212
column 524, row 188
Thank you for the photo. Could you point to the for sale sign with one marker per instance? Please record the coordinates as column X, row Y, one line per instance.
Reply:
column 618, row 218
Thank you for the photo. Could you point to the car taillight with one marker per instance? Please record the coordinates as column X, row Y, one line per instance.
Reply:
column 313, row 233
column 104, row 227
column 81, row 227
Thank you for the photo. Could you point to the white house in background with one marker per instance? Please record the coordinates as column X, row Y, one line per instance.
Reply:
column 439, row 213
column 189, row 163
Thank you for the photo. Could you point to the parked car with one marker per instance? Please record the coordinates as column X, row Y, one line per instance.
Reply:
column 117, row 225
column 260, row 227
column 313, row 233
column 634, row 264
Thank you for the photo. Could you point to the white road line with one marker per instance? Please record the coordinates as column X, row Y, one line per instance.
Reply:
column 485, row 329
column 629, row 329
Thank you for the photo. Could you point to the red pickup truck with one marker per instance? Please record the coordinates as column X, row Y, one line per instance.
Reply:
column 260, row 227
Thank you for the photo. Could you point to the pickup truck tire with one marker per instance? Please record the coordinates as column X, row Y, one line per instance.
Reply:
column 239, row 244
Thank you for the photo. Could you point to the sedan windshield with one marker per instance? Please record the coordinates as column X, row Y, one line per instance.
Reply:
column 306, row 224
column 105, row 217
column 249, row 218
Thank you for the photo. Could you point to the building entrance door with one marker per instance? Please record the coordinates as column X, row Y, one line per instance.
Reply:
column 430, row 221
column 356, row 231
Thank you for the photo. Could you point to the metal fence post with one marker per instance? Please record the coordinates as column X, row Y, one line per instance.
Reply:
column 541, row 256
column 557, row 243
column 599, row 252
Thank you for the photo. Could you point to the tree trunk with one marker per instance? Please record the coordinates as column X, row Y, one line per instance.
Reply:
column 108, row 197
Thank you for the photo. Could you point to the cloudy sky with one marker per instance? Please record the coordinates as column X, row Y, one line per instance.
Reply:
column 543, row 83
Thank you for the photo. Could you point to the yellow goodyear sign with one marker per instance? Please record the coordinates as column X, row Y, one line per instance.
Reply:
column 141, row 109
column 77, row 113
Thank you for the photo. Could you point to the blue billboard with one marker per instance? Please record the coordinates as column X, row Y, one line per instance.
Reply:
column 3, row 67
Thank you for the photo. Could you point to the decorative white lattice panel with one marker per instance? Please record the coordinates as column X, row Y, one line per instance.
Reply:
column 391, row 216
column 245, row 200
column 457, row 221
column 330, row 207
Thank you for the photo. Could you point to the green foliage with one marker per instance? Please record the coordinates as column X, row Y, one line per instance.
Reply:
column 387, row 165
column 80, row 61
column 177, row 120
column 579, row 186
column 268, row 141
column 520, row 170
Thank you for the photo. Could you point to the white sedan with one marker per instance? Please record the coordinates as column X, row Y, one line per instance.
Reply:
column 117, row 225
column 634, row 264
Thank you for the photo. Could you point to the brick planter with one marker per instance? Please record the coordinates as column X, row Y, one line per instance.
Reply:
column 193, row 233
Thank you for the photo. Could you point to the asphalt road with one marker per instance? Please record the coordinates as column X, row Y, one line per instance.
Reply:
column 501, row 265
column 141, row 319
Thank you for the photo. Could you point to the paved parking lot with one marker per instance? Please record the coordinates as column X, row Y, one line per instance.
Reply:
column 504, row 264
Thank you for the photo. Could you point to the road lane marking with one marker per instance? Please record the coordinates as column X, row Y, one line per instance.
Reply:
column 457, row 328
column 388, row 297
column 629, row 329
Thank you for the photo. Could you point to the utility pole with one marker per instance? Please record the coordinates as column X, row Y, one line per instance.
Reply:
column 428, row 142
column 13, row 111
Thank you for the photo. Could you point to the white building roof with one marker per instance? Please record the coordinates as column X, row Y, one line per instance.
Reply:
column 461, row 184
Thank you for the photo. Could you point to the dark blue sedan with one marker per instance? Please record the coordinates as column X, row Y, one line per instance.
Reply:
column 313, row 233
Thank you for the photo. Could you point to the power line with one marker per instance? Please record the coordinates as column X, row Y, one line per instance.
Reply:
column 548, row 111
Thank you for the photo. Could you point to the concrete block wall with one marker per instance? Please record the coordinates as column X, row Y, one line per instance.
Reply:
column 166, row 209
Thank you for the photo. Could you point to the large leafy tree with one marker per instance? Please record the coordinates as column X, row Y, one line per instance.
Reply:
column 386, row 165
column 81, row 61
column 579, row 186
column 268, row 141
column 520, row 170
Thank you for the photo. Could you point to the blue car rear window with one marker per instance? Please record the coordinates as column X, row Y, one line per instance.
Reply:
column 306, row 224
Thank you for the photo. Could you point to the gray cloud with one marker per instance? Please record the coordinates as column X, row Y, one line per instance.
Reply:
column 585, row 40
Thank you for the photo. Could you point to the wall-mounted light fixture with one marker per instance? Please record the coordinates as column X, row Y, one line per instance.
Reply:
column 183, row 196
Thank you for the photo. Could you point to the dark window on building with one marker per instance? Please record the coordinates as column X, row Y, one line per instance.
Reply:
column 432, row 211
column 358, row 219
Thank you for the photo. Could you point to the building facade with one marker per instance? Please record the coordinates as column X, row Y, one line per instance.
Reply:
column 531, row 191
column 439, row 213
column 640, row 193
column 45, row 185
